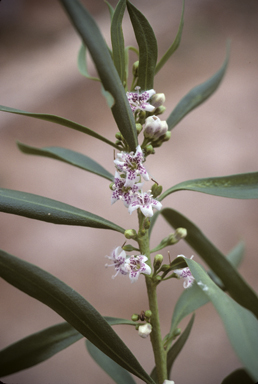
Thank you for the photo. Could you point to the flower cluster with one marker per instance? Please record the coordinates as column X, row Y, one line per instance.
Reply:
column 132, row 266
column 127, row 186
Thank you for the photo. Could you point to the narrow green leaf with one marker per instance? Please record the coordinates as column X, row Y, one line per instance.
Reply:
column 117, row 40
column 175, row 44
column 36, row 348
column 110, row 8
column 148, row 49
column 82, row 63
column 235, row 257
column 59, row 120
column 233, row 281
column 78, row 312
column 52, row 211
column 115, row 371
column 178, row 346
column 175, row 350
column 189, row 301
column 240, row 186
column 240, row 376
column 93, row 40
column 67, row 156
column 197, row 96
column 42, row 345
column 240, row 324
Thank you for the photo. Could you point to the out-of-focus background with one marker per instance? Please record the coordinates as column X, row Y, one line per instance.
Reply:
column 38, row 72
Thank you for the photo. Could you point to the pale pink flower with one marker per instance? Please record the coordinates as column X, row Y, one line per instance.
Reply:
column 139, row 101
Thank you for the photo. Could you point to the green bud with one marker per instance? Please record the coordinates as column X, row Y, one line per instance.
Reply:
column 128, row 248
column 167, row 136
column 119, row 136
column 165, row 267
column 181, row 233
column 160, row 110
column 146, row 223
column 149, row 150
column 135, row 317
column 111, row 186
column 156, row 190
column 148, row 314
column 138, row 128
column 130, row 234
column 177, row 332
column 158, row 278
column 135, row 68
column 158, row 259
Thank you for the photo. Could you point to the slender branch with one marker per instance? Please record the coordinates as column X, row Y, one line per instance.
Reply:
column 156, row 338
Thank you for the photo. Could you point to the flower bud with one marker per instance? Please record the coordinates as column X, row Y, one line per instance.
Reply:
column 128, row 248
column 135, row 68
column 167, row 136
column 148, row 314
column 135, row 317
column 158, row 259
column 119, row 136
column 111, row 186
column 158, row 99
column 138, row 128
column 130, row 234
column 160, row 110
column 149, row 150
column 154, row 128
column 156, row 190
column 144, row 330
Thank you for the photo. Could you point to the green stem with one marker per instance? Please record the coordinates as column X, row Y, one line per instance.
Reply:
column 156, row 338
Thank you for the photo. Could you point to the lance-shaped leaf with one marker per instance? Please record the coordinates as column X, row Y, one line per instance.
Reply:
column 52, row 211
column 82, row 64
column 115, row 371
column 148, row 49
column 70, row 305
column 111, row 9
column 67, row 156
column 42, row 345
column 175, row 350
column 197, row 96
column 240, row 324
column 178, row 346
column 241, row 186
column 175, row 44
column 58, row 120
column 117, row 40
column 232, row 280
column 240, row 376
column 93, row 40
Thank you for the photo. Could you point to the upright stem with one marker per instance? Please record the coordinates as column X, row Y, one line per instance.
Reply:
column 156, row 339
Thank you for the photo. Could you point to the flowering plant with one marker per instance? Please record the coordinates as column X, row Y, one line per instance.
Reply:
column 137, row 112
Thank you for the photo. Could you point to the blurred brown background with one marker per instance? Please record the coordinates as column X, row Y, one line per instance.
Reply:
column 38, row 73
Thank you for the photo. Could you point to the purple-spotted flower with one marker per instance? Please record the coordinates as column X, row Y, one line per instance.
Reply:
column 135, row 265
column 139, row 101
column 145, row 202
column 120, row 192
column 131, row 165
column 118, row 257
column 185, row 274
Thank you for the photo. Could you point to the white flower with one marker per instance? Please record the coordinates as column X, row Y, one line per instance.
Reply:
column 145, row 202
column 158, row 100
column 185, row 274
column 138, row 101
column 154, row 127
column 120, row 192
column 144, row 330
column 169, row 382
column 118, row 256
column 135, row 265
column 131, row 164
